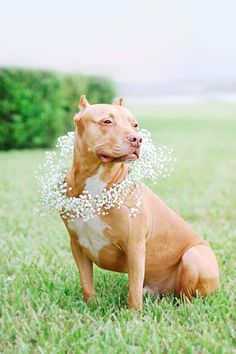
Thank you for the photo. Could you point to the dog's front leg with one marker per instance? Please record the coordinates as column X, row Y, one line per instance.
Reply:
column 136, row 270
column 85, row 267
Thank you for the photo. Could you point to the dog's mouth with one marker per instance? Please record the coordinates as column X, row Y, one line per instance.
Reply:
column 129, row 157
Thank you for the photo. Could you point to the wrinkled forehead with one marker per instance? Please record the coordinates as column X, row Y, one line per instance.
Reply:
column 97, row 112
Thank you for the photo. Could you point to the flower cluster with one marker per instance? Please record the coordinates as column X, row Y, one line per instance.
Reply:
column 153, row 163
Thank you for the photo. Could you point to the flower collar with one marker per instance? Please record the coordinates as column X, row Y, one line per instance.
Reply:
column 154, row 162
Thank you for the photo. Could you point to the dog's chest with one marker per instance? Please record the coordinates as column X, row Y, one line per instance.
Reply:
column 91, row 233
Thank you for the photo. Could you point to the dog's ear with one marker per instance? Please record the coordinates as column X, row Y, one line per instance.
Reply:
column 83, row 103
column 119, row 102
column 77, row 117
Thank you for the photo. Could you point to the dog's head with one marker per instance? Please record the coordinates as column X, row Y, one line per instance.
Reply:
column 109, row 131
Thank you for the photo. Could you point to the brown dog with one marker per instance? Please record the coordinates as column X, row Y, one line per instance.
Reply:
column 159, row 250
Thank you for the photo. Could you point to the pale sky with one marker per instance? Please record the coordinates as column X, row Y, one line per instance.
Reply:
column 134, row 41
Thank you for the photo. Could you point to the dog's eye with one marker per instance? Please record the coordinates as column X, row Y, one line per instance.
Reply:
column 135, row 125
column 107, row 121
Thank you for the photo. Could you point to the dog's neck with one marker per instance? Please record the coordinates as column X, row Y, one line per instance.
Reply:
column 86, row 165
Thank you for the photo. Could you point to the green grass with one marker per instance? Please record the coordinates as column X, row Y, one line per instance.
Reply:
column 41, row 306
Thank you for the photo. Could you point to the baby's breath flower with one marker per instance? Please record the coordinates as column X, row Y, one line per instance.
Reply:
column 154, row 162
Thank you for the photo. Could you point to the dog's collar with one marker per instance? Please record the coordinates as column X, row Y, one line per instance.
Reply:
column 153, row 163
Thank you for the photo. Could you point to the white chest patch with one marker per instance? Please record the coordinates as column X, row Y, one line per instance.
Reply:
column 90, row 233
column 94, row 185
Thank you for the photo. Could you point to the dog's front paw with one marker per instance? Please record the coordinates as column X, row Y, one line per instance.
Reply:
column 134, row 306
column 88, row 296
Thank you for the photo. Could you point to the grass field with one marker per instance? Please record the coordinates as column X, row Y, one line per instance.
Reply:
column 41, row 307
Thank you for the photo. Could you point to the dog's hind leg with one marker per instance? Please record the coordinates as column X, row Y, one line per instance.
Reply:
column 197, row 272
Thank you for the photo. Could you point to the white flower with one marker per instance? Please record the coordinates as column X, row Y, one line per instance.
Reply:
column 153, row 163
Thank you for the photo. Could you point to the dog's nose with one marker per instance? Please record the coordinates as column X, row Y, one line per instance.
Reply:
column 135, row 139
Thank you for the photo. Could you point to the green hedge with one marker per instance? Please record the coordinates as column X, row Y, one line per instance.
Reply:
column 37, row 106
